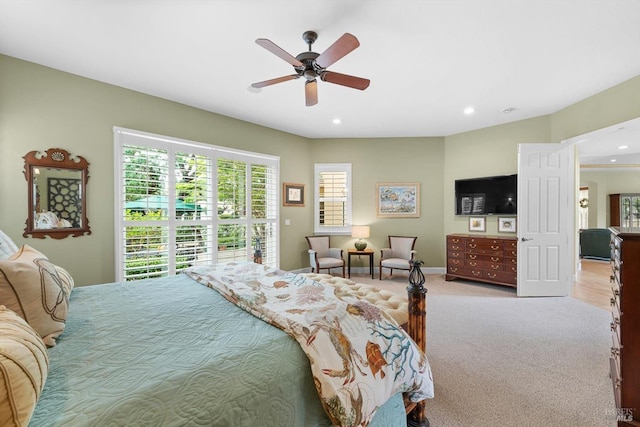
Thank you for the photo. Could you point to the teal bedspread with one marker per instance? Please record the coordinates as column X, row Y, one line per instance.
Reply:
column 171, row 352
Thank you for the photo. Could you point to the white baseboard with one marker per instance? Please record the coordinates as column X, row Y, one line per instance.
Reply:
column 365, row 270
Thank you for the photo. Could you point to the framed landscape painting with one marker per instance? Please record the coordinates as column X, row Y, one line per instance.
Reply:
column 398, row 200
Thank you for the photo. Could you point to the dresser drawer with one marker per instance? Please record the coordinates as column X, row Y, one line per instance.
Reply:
column 501, row 276
column 484, row 246
column 485, row 258
column 456, row 247
column 458, row 270
column 455, row 261
column 455, row 240
column 616, row 382
column 455, row 254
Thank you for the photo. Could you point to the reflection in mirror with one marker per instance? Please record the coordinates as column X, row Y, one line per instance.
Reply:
column 56, row 194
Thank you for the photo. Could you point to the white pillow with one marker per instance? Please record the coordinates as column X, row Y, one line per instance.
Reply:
column 7, row 246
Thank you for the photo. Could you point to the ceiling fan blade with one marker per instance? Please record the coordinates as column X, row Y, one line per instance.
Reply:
column 278, row 51
column 274, row 81
column 345, row 80
column 311, row 92
column 337, row 50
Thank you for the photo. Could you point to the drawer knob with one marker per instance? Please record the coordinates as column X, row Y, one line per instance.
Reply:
column 473, row 256
column 495, row 248
column 472, row 246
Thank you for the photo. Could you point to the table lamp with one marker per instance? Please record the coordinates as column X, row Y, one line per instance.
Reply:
column 361, row 232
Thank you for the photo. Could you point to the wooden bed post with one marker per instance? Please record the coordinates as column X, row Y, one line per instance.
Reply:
column 417, row 329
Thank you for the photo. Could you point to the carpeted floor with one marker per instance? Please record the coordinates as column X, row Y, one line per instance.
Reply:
column 500, row 360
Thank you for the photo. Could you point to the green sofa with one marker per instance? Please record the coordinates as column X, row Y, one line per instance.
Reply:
column 594, row 243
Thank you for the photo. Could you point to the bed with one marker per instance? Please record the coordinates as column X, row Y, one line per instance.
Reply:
column 174, row 352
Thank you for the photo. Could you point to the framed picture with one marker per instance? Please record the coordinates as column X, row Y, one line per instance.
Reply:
column 477, row 223
column 293, row 194
column 507, row 225
column 398, row 200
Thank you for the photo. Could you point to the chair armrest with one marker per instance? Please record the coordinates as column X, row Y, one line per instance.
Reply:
column 313, row 258
column 385, row 253
column 335, row 253
column 412, row 254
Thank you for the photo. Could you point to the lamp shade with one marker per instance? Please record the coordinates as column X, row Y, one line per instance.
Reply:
column 360, row 231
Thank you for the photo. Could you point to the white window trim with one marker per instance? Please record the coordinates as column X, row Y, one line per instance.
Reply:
column 331, row 167
column 160, row 141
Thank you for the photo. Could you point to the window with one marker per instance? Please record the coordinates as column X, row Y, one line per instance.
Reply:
column 181, row 203
column 332, row 207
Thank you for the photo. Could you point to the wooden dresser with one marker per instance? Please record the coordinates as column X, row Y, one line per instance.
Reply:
column 491, row 259
column 625, row 326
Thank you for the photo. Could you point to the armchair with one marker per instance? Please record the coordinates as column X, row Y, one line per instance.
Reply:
column 321, row 256
column 398, row 254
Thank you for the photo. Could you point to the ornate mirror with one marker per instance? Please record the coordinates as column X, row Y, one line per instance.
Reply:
column 57, row 194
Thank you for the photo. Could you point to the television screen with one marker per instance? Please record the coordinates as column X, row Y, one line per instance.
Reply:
column 487, row 196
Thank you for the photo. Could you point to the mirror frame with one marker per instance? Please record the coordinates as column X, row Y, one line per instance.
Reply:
column 59, row 159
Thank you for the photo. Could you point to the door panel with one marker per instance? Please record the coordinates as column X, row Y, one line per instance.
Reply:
column 545, row 182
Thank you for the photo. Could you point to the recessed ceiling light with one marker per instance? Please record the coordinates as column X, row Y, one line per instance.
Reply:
column 337, row 121
column 613, row 160
column 623, row 147
column 469, row 110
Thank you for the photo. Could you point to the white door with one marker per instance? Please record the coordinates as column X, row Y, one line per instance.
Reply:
column 545, row 219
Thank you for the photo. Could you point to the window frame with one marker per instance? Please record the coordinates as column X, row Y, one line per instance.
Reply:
column 128, row 137
column 332, row 230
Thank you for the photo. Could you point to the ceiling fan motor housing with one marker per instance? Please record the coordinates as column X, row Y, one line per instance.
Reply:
column 310, row 70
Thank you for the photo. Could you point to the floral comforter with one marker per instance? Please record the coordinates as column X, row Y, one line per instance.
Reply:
column 359, row 356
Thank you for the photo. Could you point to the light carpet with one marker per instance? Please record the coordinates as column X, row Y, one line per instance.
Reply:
column 500, row 360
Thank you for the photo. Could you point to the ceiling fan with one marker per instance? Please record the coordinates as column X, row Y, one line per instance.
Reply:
column 312, row 65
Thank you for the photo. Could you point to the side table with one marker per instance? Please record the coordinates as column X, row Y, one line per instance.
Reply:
column 366, row 252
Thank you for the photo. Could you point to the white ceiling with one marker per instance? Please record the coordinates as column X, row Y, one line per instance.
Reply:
column 427, row 60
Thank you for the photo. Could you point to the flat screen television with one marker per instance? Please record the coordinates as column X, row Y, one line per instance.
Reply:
column 489, row 195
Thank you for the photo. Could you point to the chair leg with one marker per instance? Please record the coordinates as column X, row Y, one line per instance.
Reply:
column 343, row 271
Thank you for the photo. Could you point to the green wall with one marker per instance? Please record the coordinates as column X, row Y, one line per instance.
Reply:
column 377, row 160
column 485, row 152
column 41, row 108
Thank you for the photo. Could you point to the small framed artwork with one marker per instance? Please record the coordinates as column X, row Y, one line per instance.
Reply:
column 507, row 225
column 293, row 194
column 477, row 223
column 398, row 200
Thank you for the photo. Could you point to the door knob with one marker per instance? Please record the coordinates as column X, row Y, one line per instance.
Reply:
column 526, row 240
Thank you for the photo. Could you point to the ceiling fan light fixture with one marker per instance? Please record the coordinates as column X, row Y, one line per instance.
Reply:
column 309, row 75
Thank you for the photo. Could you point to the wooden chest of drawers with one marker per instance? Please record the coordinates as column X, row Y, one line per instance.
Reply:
column 490, row 259
column 625, row 324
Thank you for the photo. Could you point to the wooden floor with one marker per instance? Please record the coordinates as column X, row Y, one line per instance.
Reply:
column 592, row 283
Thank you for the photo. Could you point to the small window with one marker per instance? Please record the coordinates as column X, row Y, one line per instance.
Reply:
column 332, row 207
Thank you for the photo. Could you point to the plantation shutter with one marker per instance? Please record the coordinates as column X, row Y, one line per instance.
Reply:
column 333, row 198
column 180, row 203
